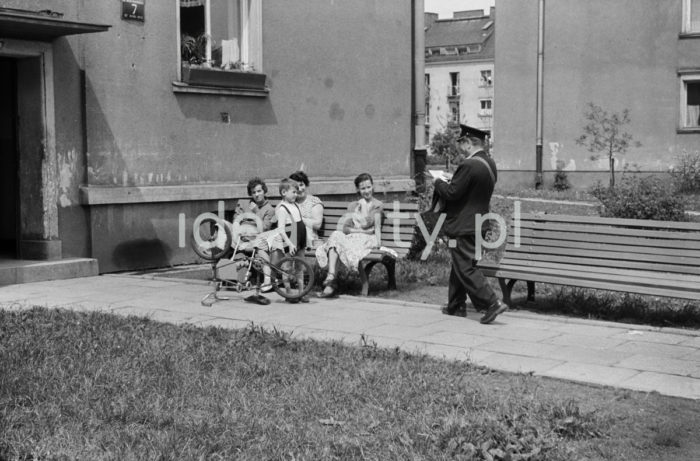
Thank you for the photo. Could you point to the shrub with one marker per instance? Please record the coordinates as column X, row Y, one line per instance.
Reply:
column 442, row 145
column 686, row 172
column 641, row 198
column 561, row 181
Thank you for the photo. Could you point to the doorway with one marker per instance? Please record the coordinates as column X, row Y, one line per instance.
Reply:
column 9, row 160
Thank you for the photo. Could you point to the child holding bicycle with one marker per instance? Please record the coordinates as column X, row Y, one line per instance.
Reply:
column 291, row 230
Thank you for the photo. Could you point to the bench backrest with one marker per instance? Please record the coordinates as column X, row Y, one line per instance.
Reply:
column 612, row 244
column 396, row 231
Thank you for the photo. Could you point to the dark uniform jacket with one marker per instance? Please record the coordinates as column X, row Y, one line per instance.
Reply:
column 468, row 193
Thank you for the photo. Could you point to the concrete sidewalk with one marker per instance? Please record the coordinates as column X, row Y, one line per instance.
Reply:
column 664, row 360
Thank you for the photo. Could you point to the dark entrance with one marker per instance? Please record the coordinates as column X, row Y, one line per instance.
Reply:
column 9, row 159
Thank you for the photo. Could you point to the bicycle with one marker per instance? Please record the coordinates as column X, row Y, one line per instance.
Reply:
column 291, row 277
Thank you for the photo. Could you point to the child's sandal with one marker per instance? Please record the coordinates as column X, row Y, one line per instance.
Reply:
column 330, row 281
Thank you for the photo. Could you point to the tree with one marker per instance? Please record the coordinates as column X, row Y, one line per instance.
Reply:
column 604, row 136
column 443, row 144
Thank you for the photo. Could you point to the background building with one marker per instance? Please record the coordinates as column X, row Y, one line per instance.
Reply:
column 117, row 138
column 641, row 55
column 459, row 70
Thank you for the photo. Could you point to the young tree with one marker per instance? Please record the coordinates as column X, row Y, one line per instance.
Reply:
column 443, row 144
column 604, row 136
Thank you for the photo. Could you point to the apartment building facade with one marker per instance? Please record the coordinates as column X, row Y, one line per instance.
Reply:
column 459, row 71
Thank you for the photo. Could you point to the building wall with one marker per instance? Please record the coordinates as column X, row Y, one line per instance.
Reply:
column 332, row 108
column 471, row 92
column 618, row 55
column 133, row 155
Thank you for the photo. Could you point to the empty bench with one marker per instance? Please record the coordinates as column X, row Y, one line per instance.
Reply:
column 396, row 234
column 657, row 258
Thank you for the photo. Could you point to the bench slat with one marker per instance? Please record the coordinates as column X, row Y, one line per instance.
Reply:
column 510, row 257
column 619, row 247
column 666, row 242
column 613, row 272
column 691, row 235
column 628, row 280
column 632, row 223
column 603, row 254
column 692, row 294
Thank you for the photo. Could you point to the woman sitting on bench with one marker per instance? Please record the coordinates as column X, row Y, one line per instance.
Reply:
column 357, row 237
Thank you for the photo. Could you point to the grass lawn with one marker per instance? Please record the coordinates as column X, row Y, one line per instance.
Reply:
column 97, row 386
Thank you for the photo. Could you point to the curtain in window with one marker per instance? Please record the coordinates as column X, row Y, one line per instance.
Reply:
column 694, row 15
column 189, row 3
column 693, row 115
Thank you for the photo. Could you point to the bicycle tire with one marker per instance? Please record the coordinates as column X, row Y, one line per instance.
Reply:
column 292, row 277
column 205, row 244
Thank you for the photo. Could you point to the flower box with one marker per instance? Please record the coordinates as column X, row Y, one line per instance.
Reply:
column 207, row 76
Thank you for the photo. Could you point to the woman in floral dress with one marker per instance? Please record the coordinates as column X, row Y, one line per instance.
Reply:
column 356, row 239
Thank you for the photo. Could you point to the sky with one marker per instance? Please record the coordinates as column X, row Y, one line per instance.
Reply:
column 445, row 8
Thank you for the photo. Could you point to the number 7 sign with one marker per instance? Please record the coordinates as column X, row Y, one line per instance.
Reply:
column 133, row 9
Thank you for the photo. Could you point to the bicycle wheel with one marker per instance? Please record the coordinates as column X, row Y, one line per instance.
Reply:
column 211, row 238
column 292, row 277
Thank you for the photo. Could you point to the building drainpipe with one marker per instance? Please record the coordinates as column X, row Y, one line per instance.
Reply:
column 540, row 95
column 420, row 150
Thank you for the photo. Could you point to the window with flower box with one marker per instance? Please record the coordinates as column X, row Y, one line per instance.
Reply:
column 221, row 43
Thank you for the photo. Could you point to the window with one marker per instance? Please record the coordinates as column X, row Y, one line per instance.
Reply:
column 473, row 49
column 225, row 34
column 485, row 108
column 427, row 96
column 486, row 79
column 454, row 112
column 690, row 101
column 453, row 89
column 691, row 16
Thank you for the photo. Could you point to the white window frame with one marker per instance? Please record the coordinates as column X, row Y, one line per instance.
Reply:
column 486, row 82
column 485, row 111
column 685, row 78
column 250, row 12
column 687, row 23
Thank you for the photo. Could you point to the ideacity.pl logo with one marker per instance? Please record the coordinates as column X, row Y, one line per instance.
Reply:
column 392, row 221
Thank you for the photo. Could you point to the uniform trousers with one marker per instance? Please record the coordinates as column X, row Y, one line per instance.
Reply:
column 466, row 278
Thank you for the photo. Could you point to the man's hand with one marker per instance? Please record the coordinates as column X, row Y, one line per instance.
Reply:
column 292, row 249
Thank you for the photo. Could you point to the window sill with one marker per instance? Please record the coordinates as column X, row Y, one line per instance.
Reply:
column 690, row 129
column 182, row 87
column 684, row 35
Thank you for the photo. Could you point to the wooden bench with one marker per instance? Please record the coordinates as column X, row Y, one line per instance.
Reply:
column 396, row 234
column 645, row 257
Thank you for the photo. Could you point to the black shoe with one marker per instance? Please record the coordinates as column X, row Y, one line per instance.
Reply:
column 257, row 299
column 460, row 311
column 303, row 299
column 494, row 311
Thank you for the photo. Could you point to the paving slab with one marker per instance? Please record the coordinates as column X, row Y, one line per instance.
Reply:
column 516, row 363
column 677, row 386
column 655, row 349
column 590, row 373
column 661, row 364
column 583, row 340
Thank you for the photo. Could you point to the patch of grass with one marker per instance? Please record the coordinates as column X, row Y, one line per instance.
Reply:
column 97, row 386
column 668, row 435
column 548, row 194
column 616, row 307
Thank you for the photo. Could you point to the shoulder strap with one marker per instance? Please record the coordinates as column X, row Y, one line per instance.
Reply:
column 488, row 167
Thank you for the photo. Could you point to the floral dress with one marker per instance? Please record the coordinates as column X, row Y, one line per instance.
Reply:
column 352, row 247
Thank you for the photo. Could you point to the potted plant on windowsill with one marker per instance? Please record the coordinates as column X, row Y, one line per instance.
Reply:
column 196, row 70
